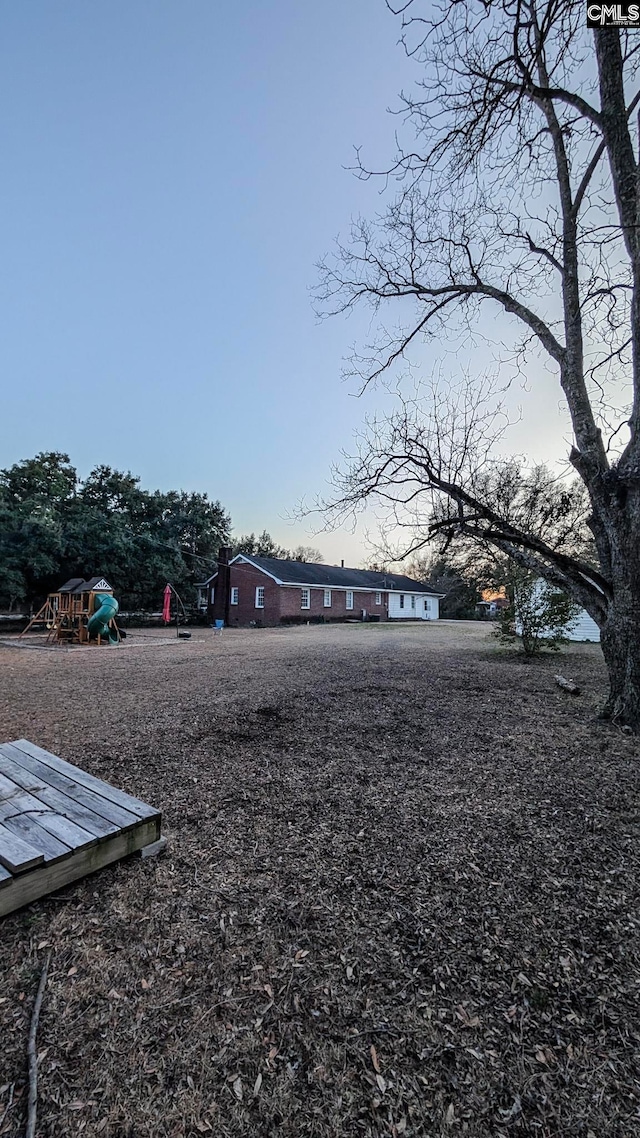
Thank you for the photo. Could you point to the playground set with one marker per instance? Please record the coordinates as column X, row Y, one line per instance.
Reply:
column 80, row 612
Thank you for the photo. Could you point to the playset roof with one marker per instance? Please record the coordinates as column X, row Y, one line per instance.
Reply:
column 71, row 585
column 79, row 585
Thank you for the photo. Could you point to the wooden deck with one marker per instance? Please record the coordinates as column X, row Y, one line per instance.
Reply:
column 58, row 823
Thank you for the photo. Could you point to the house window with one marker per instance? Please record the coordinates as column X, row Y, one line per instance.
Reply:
column 305, row 599
column 378, row 598
column 213, row 595
column 349, row 600
column 413, row 602
column 234, row 596
column 401, row 600
column 327, row 598
column 260, row 597
column 426, row 605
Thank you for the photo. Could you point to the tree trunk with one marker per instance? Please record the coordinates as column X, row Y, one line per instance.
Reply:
column 620, row 638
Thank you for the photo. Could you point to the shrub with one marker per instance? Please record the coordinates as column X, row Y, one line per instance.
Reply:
column 539, row 614
column 302, row 619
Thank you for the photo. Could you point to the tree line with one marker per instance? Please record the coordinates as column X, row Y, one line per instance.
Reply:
column 54, row 525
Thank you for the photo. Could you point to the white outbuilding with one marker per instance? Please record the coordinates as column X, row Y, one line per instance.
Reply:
column 413, row 606
column 582, row 627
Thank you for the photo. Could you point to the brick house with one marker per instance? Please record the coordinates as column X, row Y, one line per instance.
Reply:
column 268, row 591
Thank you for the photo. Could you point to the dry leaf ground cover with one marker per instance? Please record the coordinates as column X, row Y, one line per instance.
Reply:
column 400, row 895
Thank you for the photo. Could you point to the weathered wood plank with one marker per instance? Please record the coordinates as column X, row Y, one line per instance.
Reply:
column 24, row 827
column 16, row 855
column 36, row 813
column 30, row 886
column 48, row 775
column 141, row 809
column 65, row 820
column 55, row 799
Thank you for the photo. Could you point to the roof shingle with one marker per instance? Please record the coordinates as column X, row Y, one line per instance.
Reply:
column 334, row 576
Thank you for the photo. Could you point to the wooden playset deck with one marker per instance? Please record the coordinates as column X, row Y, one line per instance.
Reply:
column 59, row 823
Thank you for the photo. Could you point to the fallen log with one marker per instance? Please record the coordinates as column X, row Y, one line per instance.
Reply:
column 567, row 685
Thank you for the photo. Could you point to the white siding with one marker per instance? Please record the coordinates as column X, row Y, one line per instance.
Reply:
column 409, row 612
column 585, row 628
column 432, row 607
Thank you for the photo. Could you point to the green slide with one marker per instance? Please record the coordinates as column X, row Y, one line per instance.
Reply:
column 99, row 623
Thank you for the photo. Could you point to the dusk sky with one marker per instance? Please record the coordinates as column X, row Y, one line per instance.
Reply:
column 171, row 174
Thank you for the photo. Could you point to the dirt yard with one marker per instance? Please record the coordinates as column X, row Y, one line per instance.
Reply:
column 400, row 895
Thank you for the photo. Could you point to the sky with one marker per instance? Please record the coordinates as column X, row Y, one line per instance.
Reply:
column 172, row 172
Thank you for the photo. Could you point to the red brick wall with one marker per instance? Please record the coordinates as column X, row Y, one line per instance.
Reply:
column 285, row 601
column 292, row 597
column 247, row 579
column 368, row 601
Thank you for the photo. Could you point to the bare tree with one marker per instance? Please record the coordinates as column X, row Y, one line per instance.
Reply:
column 261, row 546
column 306, row 553
column 521, row 194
